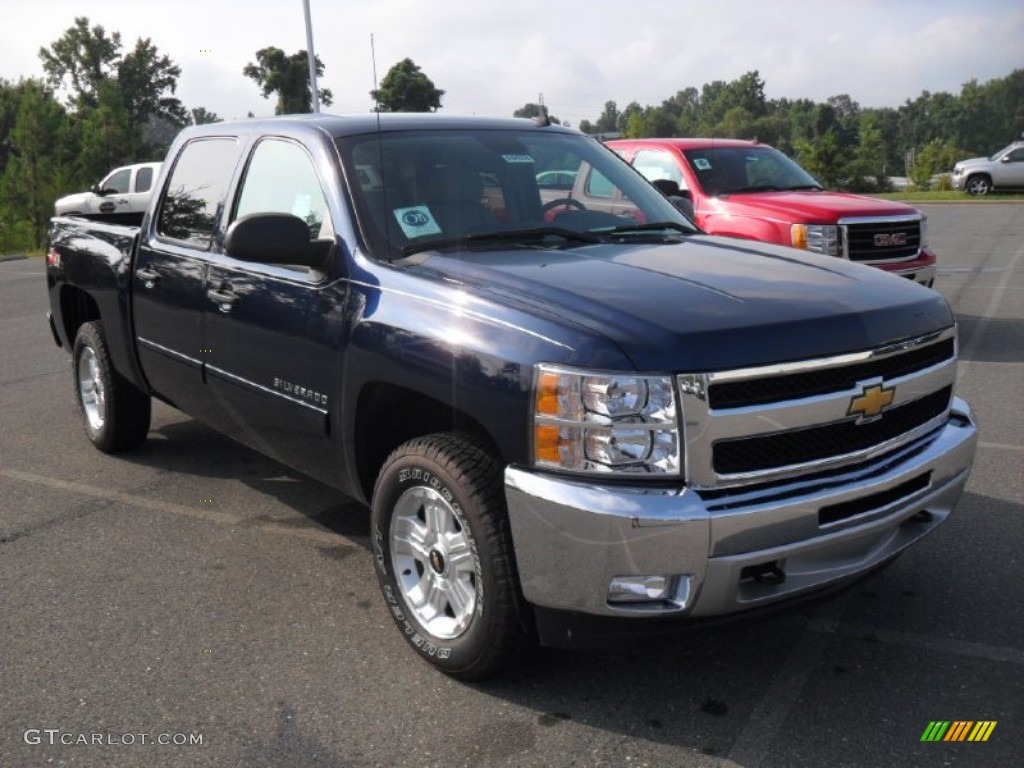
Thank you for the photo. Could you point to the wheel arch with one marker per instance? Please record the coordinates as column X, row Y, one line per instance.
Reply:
column 388, row 415
column 77, row 307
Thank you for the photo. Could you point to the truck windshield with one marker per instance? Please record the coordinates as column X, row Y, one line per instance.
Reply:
column 482, row 188
column 731, row 170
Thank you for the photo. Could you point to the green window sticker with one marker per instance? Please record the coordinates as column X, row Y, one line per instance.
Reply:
column 517, row 158
column 416, row 221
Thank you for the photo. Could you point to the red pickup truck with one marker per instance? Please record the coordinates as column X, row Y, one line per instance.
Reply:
column 750, row 190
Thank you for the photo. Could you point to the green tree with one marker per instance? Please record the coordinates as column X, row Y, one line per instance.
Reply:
column 85, row 58
column 80, row 60
column 406, row 88
column 203, row 116
column 33, row 175
column 145, row 79
column 107, row 138
column 532, row 110
column 609, row 120
column 937, row 156
column 288, row 77
column 868, row 168
column 823, row 159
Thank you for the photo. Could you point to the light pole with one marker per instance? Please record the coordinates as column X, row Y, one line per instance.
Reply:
column 312, row 59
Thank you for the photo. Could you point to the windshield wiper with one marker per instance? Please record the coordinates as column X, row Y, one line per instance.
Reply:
column 804, row 186
column 530, row 235
column 650, row 226
column 754, row 188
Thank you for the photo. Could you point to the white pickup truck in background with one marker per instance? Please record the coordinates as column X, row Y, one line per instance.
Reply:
column 124, row 190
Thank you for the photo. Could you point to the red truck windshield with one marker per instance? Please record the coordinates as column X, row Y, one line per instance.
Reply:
column 729, row 170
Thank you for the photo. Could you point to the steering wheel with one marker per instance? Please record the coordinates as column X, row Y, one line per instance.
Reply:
column 568, row 202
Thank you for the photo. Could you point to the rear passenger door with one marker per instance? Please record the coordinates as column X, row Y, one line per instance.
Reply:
column 169, row 278
column 268, row 368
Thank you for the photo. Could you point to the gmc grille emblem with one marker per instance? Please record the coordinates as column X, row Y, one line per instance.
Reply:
column 885, row 239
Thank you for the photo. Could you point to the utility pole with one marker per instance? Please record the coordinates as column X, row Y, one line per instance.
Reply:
column 312, row 59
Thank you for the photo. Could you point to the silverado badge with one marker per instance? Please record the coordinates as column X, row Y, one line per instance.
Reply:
column 871, row 401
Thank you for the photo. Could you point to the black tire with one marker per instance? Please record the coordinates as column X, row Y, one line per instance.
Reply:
column 442, row 546
column 114, row 413
column 979, row 185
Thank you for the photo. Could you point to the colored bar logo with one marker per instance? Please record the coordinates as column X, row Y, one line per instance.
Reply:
column 958, row 730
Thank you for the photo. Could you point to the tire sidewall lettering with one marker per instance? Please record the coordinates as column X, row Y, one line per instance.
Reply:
column 428, row 646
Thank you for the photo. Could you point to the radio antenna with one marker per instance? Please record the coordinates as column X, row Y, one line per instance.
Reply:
column 380, row 151
column 376, row 88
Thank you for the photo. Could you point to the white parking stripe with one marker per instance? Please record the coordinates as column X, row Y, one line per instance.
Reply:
column 967, row 350
column 939, row 644
column 316, row 535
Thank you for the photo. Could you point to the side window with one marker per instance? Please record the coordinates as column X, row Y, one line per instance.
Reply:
column 598, row 185
column 281, row 179
column 144, row 179
column 195, row 192
column 654, row 164
column 118, row 182
column 1016, row 156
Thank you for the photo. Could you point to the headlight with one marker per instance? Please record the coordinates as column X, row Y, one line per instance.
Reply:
column 589, row 421
column 924, row 232
column 819, row 238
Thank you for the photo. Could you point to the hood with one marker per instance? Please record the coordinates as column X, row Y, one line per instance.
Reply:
column 705, row 303
column 68, row 202
column 972, row 161
column 814, row 206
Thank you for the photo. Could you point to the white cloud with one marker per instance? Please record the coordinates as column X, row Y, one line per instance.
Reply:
column 491, row 58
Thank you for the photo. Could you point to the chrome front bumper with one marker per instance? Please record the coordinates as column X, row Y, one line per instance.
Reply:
column 572, row 538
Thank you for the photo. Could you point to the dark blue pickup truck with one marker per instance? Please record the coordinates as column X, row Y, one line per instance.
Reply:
column 565, row 418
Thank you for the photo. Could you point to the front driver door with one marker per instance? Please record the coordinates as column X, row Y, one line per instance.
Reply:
column 271, row 365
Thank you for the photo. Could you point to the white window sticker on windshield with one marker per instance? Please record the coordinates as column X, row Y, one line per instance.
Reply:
column 417, row 221
column 702, row 163
column 517, row 158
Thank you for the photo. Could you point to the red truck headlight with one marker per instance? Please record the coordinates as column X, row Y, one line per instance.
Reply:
column 818, row 238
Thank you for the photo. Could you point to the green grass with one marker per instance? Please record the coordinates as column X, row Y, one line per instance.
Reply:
column 950, row 196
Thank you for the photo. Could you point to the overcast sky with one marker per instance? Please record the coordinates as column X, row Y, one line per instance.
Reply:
column 493, row 57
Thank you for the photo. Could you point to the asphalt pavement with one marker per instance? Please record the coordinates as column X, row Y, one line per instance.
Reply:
column 198, row 604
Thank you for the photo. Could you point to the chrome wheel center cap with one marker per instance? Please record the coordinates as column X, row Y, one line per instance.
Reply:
column 437, row 561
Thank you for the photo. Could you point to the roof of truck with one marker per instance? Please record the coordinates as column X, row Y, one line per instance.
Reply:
column 353, row 125
column 690, row 143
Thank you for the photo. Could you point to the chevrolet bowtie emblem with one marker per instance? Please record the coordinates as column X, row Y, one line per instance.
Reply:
column 870, row 403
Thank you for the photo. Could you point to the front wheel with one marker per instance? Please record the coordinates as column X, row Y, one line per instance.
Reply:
column 115, row 414
column 979, row 185
column 444, row 558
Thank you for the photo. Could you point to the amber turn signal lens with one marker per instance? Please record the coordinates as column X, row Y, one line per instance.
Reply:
column 547, row 394
column 546, row 442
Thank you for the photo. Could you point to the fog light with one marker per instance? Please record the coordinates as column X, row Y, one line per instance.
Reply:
column 633, row 589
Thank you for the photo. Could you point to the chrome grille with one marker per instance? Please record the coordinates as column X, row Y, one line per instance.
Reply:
column 772, row 422
column 882, row 239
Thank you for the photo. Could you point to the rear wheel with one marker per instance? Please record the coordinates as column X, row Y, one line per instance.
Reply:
column 444, row 555
column 979, row 185
column 115, row 414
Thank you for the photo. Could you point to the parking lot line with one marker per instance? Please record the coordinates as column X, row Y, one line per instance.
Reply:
column 318, row 536
column 914, row 640
column 967, row 351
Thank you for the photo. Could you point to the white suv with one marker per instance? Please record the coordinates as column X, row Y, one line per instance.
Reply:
column 123, row 190
column 981, row 175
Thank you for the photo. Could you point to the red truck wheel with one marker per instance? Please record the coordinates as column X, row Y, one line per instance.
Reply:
column 444, row 557
column 115, row 414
